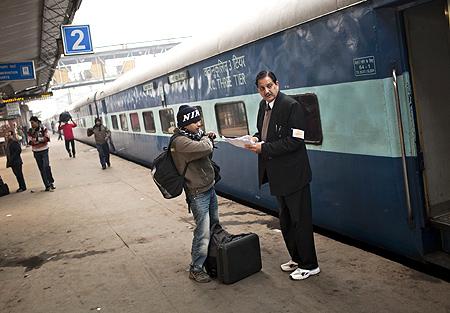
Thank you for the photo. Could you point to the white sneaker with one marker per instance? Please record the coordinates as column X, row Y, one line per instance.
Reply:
column 300, row 274
column 289, row 266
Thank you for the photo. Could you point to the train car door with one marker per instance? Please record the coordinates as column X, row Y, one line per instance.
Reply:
column 428, row 41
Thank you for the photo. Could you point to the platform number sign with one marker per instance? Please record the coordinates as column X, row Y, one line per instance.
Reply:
column 76, row 39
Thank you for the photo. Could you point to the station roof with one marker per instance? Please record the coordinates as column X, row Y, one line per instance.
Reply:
column 30, row 31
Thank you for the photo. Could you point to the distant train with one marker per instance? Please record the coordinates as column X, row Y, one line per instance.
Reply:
column 373, row 77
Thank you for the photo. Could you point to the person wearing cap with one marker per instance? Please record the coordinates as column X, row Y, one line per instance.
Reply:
column 193, row 148
column 38, row 139
column 281, row 150
column 101, row 136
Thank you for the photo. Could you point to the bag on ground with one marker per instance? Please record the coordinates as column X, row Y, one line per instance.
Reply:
column 218, row 237
column 4, row 189
column 232, row 257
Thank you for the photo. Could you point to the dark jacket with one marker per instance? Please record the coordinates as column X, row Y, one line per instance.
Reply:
column 101, row 134
column 13, row 151
column 283, row 161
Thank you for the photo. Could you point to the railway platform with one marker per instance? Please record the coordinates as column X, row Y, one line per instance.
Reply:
column 106, row 241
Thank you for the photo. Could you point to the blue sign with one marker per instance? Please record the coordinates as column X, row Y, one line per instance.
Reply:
column 76, row 39
column 17, row 71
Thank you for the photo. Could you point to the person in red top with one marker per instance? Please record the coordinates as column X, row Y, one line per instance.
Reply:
column 68, row 135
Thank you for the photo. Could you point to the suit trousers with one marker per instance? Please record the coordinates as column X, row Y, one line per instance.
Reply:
column 297, row 229
column 17, row 170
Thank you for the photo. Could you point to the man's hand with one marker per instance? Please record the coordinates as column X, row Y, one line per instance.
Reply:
column 254, row 139
column 211, row 135
column 254, row 148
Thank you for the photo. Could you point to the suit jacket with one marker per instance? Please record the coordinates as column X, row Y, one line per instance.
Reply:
column 283, row 161
column 13, row 151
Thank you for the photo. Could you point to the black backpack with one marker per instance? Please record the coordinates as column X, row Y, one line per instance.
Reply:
column 165, row 174
column 218, row 237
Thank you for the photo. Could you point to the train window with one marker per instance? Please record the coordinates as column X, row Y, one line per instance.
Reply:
column 149, row 122
column 231, row 119
column 313, row 131
column 90, row 109
column 115, row 124
column 135, row 125
column 167, row 121
column 203, row 119
column 123, row 121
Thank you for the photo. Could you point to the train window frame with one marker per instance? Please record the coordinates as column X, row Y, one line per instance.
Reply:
column 164, row 123
column 114, row 122
column 138, row 129
column 220, row 126
column 149, row 130
column 312, row 117
column 203, row 127
column 123, row 121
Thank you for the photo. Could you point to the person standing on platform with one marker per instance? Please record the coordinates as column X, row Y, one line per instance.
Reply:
column 69, row 139
column 191, row 151
column 39, row 139
column 25, row 135
column 283, row 163
column 13, row 159
column 101, row 135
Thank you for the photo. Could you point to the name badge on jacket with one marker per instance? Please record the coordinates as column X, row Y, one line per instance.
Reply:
column 298, row 133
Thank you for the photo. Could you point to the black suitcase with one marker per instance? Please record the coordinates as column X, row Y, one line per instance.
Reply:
column 238, row 258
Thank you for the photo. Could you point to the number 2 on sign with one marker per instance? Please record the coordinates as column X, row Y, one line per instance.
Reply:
column 76, row 45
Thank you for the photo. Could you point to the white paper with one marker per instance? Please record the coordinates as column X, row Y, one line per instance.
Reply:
column 240, row 141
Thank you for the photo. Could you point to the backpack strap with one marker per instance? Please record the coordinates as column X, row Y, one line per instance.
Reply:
column 185, row 168
column 170, row 152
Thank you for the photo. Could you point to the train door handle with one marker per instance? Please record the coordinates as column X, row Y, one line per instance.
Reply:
column 402, row 147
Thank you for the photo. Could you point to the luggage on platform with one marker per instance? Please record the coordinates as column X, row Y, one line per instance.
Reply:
column 232, row 257
column 4, row 189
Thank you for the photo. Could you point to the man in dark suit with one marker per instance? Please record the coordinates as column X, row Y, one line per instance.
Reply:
column 283, row 162
column 14, row 160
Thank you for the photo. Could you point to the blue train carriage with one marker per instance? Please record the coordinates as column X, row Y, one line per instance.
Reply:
column 373, row 78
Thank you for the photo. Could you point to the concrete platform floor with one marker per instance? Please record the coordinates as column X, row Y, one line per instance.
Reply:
column 107, row 241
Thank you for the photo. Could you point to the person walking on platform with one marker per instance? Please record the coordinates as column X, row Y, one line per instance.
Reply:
column 59, row 134
column 13, row 159
column 69, row 139
column 283, row 163
column 39, row 139
column 191, row 151
column 101, row 135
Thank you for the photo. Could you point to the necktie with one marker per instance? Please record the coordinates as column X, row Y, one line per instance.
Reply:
column 266, row 121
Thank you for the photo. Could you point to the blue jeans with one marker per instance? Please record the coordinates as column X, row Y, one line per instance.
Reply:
column 205, row 210
column 43, row 163
column 103, row 153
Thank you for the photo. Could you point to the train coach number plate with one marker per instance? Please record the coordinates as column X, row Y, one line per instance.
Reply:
column 364, row 66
